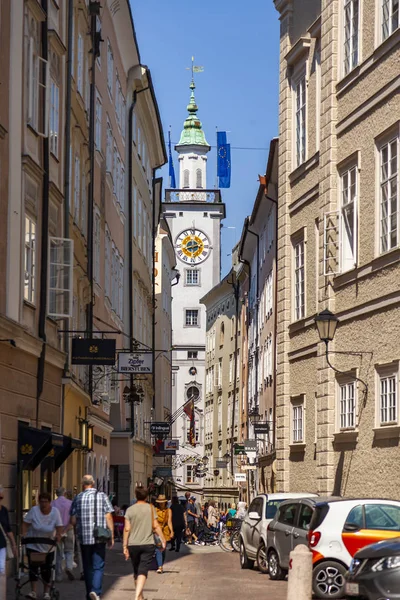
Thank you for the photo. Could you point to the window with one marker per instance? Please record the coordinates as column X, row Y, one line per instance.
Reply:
column 190, row 473
column 192, row 393
column 230, row 368
column 222, row 334
column 110, row 68
column 199, row 179
column 98, row 122
column 121, row 288
column 389, row 195
column 139, row 221
column 135, row 212
column 77, row 190
column 107, row 264
column 382, row 516
column 192, row 277
column 30, row 260
column 347, row 405
column 388, row 398
column 349, row 219
column 305, row 514
column 109, row 148
column 61, row 264
column 97, row 248
column 192, row 354
column 219, row 414
column 84, row 207
column 351, row 18
column 186, row 178
column 297, row 423
column 287, row 514
column 300, row 99
column 390, row 17
column 299, row 290
column 257, row 506
column 355, row 517
column 37, row 89
column 80, row 65
column 54, row 117
column 192, row 318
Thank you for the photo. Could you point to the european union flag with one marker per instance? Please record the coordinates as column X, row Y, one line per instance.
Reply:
column 172, row 182
column 224, row 160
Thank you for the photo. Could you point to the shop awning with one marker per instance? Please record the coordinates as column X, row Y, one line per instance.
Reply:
column 36, row 445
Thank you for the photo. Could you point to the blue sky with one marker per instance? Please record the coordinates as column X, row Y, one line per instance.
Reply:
column 237, row 43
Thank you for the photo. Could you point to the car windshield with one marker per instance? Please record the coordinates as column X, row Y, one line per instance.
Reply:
column 272, row 507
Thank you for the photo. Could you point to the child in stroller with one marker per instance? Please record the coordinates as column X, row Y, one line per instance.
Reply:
column 204, row 534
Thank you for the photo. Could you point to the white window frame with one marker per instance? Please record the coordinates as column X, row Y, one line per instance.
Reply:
column 351, row 35
column 189, row 277
column 297, row 421
column 192, row 317
column 347, row 404
column 387, row 395
column 387, row 18
column 30, row 259
column 99, row 111
column 38, row 90
column 349, row 184
column 300, row 98
column 54, row 117
column 299, row 278
column 77, row 189
column 107, row 264
column 391, row 178
column 79, row 79
column 61, row 272
column 109, row 148
column 190, row 478
column 84, row 206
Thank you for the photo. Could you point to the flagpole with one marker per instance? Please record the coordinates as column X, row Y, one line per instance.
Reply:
column 216, row 177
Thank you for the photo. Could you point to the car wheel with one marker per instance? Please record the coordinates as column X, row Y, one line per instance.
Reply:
column 328, row 580
column 262, row 559
column 274, row 568
column 245, row 563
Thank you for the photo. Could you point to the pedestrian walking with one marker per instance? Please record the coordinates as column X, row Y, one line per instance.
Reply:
column 91, row 513
column 179, row 523
column 191, row 517
column 140, row 526
column 212, row 520
column 241, row 511
column 232, row 511
column 42, row 521
column 5, row 535
column 164, row 518
column 65, row 549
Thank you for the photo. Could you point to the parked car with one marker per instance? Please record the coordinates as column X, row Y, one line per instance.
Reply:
column 374, row 572
column 253, row 533
column 336, row 529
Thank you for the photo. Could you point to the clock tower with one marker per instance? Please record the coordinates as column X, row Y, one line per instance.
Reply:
column 194, row 215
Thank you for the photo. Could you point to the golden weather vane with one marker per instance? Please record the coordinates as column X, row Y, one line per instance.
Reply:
column 194, row 68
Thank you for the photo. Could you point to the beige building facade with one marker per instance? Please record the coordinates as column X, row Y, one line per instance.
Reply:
column 338, row 247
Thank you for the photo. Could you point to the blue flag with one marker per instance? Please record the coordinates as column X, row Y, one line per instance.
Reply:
column 172, row 182
column 224, row 160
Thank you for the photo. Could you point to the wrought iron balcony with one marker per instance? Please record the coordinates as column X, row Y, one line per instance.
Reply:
column 197, row 195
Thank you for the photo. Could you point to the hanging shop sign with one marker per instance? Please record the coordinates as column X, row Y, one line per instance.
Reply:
column 171, row 444
column 239, row 449
column 221, row 464
column 240, row 477
column 160, row 427
column 87, row 351
column 250, row 446
column 135, row 362
column 261, row 428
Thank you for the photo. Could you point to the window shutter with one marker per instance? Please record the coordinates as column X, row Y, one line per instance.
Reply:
column 332, row 243
column 60, row 277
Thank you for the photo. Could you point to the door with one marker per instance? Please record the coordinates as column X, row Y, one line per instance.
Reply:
column 369, row 524
column 300, row 531
column 284, row 527
column 253, row 527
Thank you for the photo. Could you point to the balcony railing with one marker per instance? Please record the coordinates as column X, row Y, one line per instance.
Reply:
column 188, row 195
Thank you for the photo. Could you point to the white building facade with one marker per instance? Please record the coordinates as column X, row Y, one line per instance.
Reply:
column 194, row 216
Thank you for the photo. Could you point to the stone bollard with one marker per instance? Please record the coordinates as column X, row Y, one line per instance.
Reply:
column 300, row 574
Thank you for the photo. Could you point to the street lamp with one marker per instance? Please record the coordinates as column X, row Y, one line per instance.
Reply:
column 326, row 323
column 254, row 415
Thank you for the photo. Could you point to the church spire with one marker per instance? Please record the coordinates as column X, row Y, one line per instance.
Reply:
column 192, row 133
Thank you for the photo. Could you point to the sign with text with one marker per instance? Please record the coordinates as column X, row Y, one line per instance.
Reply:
column 87, row 351
column 250, row 446
column 239, row 449
column 261, row 428
column 249, row 468
column 240, row 477
column 221, row 464
column 171, row 444
column 135, row 362
column 160, row 427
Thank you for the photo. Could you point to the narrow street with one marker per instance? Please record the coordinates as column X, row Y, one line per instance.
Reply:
column 204, row 573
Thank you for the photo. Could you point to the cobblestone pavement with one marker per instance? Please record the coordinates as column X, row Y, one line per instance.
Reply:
column 197, row 573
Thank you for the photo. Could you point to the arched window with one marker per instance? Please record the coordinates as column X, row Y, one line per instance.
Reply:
column 222, row 334
column 199, row 179
column 193, row 392
column 186, row 178
column 89, row 465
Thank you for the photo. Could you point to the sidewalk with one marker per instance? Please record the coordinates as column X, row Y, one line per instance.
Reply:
column 196, row 573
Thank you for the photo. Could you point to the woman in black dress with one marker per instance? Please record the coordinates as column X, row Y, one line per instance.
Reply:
column 179, row 523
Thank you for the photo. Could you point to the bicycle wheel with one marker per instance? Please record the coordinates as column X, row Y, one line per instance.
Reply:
column 235, row 540
column 225, row 540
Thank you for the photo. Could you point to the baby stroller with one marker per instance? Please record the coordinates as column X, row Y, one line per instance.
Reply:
column 39, row 565
column 205, row 535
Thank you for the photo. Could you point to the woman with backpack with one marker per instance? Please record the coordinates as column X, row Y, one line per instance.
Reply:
column 164, row 518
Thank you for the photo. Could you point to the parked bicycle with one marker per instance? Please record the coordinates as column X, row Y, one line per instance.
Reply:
column 229, row 536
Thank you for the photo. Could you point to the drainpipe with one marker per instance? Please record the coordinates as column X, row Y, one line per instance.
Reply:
column 257, row 309
column 44, row 236
column 235, row 285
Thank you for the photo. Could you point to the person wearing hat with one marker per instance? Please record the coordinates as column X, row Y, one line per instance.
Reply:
column 5, row 532
column 164, row 518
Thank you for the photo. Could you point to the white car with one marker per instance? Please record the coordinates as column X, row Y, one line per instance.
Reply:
column 253, row 533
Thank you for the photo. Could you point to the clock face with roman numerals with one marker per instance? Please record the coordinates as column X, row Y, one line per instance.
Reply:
column 192, row 246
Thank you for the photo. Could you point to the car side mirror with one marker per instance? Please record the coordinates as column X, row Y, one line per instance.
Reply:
column 254, row 516
column 351, row 527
